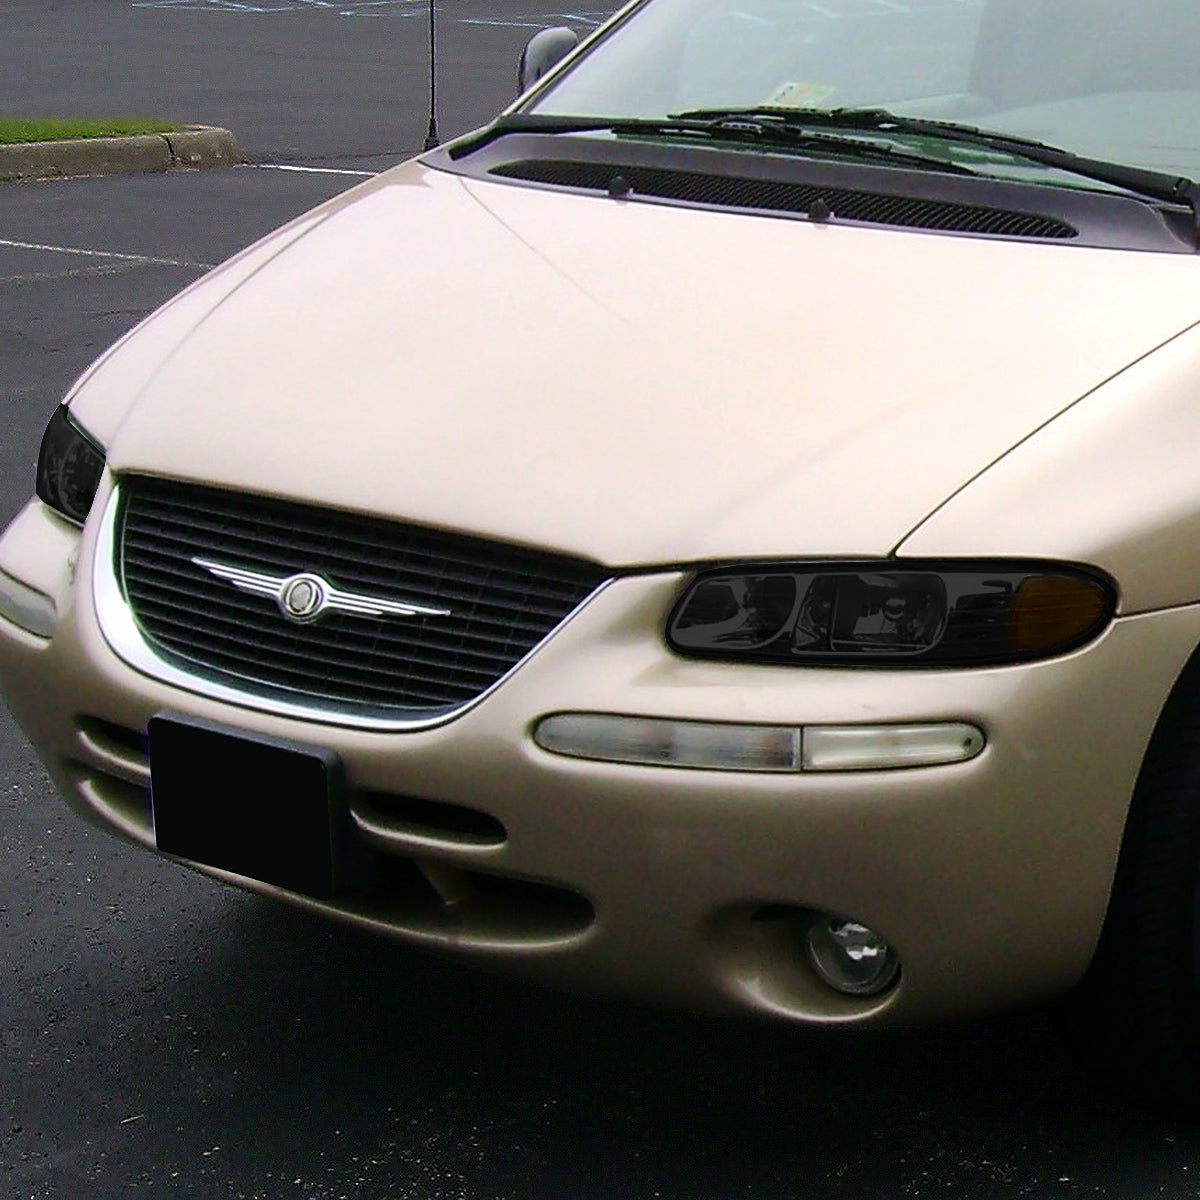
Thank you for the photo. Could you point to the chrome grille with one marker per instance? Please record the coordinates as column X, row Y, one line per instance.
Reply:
column 503, row 600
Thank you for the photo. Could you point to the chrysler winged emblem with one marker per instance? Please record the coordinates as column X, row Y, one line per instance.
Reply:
column 304, row 597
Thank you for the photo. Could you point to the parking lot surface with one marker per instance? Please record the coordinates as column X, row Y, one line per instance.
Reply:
column 162, row 1035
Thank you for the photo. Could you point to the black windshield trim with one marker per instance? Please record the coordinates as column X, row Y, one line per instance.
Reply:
column 766, row 134
column 1154, row 185
column 1102, row 219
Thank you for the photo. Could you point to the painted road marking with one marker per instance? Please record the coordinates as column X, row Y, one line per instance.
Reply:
column 147, row 259
column 73, row 273
column 416, row 8
column 540, row 20
column 375, row 8
column 313, row 170
column 340, row 8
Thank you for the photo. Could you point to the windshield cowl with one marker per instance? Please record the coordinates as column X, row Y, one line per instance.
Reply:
column 1154, row 185
column 1102, row 89
column 780, row 183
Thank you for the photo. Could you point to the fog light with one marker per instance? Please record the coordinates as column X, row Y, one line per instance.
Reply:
column 27, row 607
column 850, row 957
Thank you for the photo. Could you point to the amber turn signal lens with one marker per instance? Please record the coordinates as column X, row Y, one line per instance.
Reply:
column 1053, row 610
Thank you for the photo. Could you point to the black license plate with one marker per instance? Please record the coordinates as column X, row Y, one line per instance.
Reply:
column 266, row 809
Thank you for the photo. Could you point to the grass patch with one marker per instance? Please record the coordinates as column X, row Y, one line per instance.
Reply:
column 53, row 129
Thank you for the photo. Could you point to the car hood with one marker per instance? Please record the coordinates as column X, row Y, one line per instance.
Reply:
column 632, row 382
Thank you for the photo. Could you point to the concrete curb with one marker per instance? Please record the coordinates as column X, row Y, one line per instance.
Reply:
column 196, row 147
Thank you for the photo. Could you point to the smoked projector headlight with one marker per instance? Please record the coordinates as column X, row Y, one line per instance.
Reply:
column 70, row 466
column 885, row 613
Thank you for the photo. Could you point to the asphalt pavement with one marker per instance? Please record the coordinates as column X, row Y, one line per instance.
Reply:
column 161, row 1035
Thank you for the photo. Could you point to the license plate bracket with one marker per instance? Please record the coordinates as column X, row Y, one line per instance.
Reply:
column 260, row 807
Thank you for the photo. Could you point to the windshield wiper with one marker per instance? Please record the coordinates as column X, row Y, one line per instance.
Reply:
column 733, row 127
column 1155, row 185
column 539, row 123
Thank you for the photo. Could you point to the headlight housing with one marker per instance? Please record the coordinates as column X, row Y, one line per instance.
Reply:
column 70, row 466
column 888, row 613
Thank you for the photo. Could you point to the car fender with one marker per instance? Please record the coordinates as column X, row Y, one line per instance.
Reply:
column 1112, row 481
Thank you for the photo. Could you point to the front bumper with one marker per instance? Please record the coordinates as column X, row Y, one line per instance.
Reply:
column 990, row 878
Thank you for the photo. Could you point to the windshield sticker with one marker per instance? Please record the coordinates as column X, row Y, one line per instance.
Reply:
column 802, row 95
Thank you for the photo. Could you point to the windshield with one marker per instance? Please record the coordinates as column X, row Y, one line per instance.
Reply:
column 1111, row 79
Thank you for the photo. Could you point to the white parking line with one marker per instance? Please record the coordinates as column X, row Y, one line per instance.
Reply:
column 376, row 8
column 538, row 20
column 73, row 273
column 341, row 8
column 148, row 259
column 313, row 170
column 830, row 10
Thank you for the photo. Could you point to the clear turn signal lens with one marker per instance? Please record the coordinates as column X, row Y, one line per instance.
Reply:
column 652, row 742
column 880, row 747
column 26, row 607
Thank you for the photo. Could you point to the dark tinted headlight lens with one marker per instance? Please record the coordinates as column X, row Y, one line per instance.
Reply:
column 869, row 614
column 70, row 466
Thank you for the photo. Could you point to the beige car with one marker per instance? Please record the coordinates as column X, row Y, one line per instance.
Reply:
column 726, row 532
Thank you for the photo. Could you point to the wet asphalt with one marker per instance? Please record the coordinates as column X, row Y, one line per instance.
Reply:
column 161, row 1035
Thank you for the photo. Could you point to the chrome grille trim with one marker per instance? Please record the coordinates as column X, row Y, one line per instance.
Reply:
column 123, row 635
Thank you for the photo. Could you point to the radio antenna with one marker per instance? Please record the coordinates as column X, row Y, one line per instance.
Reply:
column 431, row 138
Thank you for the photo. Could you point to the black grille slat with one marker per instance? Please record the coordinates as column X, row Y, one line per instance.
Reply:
column 176, row 580
column 350, row 559
column 504, row 599
column 306, row 650
column 334, row 630
column 458, row 585
column 304, row 645
column 361, row 530
column 420, row 690
column 268, row 536
column 723, row 191
column 333, row 633
column 327, row 684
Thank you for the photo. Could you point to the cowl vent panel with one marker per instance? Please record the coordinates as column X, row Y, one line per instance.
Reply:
column 766, row 195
